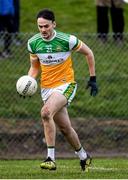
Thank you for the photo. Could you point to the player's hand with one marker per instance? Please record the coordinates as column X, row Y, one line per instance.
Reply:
column 92, row 85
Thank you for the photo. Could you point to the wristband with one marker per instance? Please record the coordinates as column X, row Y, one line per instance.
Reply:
column 93, row 78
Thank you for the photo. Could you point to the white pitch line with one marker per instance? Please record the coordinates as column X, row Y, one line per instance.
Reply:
column 105, row 169
column 97, row 168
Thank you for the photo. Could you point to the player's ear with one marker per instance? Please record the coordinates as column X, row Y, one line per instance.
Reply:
column 54, row 24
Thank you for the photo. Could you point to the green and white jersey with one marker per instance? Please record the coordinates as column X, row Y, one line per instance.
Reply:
column 55, row 57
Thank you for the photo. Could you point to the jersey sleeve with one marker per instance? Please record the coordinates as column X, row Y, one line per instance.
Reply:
column 29, row 48
column 74, row 43
column 33, row 56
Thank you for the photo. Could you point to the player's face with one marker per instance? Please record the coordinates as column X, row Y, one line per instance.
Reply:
column 46, row 27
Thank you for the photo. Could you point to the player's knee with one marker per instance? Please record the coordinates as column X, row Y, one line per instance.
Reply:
column 45, row 113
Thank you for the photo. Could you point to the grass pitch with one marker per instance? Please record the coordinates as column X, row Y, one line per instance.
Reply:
column 102, row 168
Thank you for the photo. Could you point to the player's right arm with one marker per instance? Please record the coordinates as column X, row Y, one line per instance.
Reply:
column 34, row 66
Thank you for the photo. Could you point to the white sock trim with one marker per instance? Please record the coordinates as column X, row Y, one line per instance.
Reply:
column 51, row 153
column 81, row 154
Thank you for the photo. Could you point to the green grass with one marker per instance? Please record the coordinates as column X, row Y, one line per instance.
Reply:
column 71, row 16
column 68, row 16
column 102, row 168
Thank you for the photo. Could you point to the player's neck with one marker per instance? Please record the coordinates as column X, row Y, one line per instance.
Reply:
column 51, row 37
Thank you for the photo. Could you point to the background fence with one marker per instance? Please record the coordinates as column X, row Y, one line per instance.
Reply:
column 101, row 122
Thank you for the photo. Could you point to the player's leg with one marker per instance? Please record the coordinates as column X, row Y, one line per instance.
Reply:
column 54, row 103
column 61, row 118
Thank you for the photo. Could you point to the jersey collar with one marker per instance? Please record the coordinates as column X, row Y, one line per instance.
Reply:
column 51, row 38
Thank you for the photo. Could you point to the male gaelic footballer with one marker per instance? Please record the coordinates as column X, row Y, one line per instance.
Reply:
column 50, row 51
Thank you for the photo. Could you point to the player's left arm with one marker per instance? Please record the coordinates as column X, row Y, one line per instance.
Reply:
column 34, row 66
column 76, row 44
column 79, row 46
column 84, row 49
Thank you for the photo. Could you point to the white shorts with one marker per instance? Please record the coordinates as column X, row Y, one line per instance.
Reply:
column 68, row 90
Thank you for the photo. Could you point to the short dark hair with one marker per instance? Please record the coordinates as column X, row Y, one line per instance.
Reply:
column 46, row 14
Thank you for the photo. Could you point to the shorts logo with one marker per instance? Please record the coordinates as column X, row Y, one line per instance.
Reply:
column 68, row 92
